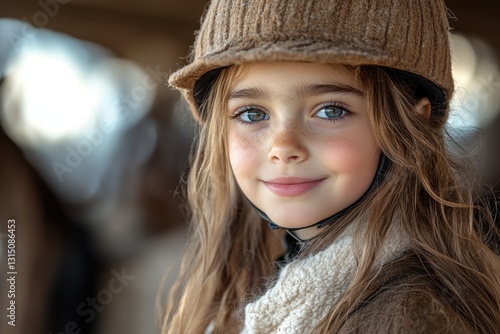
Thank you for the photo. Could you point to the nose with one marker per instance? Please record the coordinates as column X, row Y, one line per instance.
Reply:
column 287, row 146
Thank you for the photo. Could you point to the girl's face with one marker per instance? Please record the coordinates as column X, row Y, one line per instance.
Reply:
column 300, row 144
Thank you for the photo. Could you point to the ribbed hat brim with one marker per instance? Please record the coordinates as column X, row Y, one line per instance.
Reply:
column 410, row 36
column 321, row 52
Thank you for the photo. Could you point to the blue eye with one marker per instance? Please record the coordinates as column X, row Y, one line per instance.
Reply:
column 331, row 112
column 251, row 115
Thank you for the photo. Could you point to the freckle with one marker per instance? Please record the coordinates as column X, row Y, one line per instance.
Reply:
column 246, row 143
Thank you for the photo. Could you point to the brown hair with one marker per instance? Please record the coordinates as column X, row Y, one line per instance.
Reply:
column 230, row 251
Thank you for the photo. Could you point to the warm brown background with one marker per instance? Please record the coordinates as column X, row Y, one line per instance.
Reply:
column 152, row 33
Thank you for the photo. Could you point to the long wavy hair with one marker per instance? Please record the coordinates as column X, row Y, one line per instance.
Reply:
column 231, row 251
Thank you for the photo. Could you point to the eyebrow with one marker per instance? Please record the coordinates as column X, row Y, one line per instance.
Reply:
column 303, row 90
column 251, row 92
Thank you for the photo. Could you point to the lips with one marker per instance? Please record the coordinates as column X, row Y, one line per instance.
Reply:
column 291, row 186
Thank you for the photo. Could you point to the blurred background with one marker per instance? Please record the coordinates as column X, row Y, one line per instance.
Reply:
column 93, row 146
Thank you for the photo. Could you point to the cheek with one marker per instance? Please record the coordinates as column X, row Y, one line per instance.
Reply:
column 242, row 154
column 352, row 155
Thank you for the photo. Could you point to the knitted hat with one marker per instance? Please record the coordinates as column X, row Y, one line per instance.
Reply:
column 406, row 35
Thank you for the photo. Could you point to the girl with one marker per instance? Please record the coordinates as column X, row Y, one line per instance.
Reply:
column 326, row 119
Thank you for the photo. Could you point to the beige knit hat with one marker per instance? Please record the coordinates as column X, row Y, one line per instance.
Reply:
column 407, row 35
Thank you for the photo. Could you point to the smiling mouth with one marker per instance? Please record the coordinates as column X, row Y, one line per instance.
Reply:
column 291, row 186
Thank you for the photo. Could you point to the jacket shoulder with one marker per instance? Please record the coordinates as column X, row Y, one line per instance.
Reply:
column 410, row 307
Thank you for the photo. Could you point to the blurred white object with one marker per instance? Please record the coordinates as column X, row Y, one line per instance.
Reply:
column 477, row 83
column 70, row 106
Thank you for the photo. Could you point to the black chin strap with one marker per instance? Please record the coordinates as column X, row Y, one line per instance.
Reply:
column 383, row 165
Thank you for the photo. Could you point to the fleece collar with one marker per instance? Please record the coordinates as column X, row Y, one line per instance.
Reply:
column 307, row 288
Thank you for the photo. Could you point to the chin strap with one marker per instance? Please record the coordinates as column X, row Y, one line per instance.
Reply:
column 383, row 165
